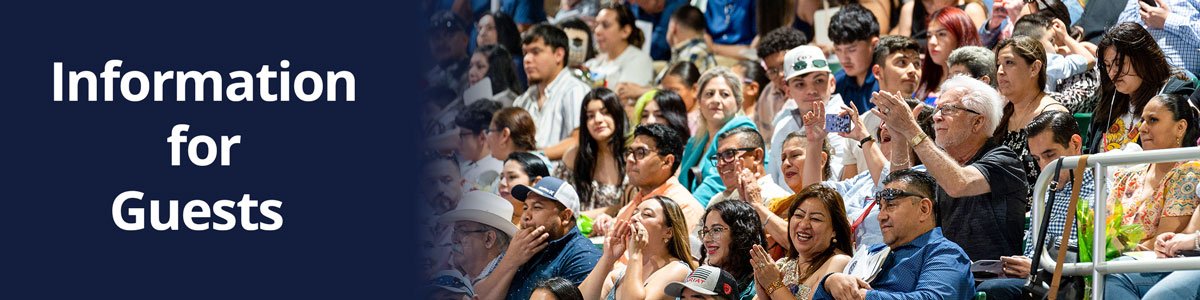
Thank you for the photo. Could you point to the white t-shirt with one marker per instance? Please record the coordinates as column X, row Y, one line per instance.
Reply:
column 633, row 66
column 481, row 174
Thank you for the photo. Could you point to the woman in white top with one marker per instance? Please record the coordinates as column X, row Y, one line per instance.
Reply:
column 621, row 59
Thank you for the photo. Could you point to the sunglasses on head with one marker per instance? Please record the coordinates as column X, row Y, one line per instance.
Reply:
column 816, row 63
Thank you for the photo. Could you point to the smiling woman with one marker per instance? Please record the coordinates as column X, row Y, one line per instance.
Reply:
column 595, row 166
column 720, row 110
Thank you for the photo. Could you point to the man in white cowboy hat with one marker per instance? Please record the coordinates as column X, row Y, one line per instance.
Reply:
column 481, row 233
column 808, row 82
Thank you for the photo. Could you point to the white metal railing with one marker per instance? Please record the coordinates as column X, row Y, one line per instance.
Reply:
column 1099, row 164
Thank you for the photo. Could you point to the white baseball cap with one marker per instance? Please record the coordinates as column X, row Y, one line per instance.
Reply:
column 803, row 60
column 483, row 208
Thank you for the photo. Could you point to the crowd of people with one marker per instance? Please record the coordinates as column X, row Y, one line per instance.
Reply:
column 741, row 149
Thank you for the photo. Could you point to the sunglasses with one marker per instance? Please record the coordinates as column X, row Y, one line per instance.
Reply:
column 893, row 194
column 816, row 63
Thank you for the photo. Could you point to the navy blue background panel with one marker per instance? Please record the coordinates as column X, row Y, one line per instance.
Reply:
column 340, row 168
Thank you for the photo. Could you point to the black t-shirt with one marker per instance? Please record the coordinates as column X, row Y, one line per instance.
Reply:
column 989, row 225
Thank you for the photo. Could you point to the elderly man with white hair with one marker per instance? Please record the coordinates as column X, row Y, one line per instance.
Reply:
column 981, row 186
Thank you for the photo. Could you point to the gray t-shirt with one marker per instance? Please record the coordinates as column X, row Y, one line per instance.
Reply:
column 989, row 225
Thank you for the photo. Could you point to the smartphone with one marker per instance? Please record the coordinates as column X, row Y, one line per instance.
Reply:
column 835, row 123
column 1150, row 2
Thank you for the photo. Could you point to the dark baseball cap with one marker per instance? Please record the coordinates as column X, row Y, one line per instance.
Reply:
column 446, row 20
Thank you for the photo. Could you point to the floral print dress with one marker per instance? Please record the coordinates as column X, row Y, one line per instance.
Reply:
column 1177, row 197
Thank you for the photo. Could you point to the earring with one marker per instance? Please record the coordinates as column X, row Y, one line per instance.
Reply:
column 834, row 241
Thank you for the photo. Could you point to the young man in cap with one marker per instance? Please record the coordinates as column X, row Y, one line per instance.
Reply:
column 482, row 232
column 707, row 283
column 449, row 284
column 549, row 245
column 809, row 82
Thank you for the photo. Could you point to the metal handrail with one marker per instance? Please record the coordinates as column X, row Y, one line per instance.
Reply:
column 1099, row 164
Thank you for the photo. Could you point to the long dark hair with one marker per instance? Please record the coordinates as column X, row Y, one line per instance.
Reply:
column 589, row 147
column 507, row 34
column 561, row 288
column 674, row 111
column 679, row 246
column 1028, row 50
column 837, row 216
column 1145, row 57
column 625, row 18
column 1182, row 109
column 501, row 70
column 960, row 25
column 745, row 231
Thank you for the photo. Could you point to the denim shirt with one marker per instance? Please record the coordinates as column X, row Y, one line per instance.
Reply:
column 571, row 257
column 929, row 267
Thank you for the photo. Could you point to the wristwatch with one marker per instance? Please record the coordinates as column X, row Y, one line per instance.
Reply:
column 916, row 140
column 864, row 141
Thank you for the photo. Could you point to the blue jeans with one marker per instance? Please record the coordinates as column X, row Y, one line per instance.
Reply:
column 1002, row 289
column 1154, row 285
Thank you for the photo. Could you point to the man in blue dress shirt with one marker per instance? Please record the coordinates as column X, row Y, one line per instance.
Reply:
column 922, row 264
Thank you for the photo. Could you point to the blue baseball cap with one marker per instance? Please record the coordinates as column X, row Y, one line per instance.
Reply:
column 552, row 188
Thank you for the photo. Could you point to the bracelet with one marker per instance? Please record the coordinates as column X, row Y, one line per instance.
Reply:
column 865, row 140
column 774, row 286
column 1197, row 240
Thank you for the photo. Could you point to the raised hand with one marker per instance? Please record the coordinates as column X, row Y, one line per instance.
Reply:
column 748, row 187
column 814, row 123
column 858, row 130
column 638, row 237
column 616, row 241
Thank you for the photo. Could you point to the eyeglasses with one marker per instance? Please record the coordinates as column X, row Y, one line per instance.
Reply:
column 947, row 109
column 716, row 230
column 459, row 233
column 638, row 153
column 893, row 194
column 728, row 155
column 816, row 63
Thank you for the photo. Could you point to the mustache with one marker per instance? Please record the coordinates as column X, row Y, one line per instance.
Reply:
column 456, row 248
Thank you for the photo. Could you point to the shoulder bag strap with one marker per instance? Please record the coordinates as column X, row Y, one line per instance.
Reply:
column 1068, row 224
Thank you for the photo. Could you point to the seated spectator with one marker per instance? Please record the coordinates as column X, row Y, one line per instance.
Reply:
column 498, row 29
column 1134, row 70
column 981, row 185
column 477, row 167
column 1052, row 134
column 553, row 95
column 582, row 47
column 441, row 189
column 556, row 288
column 813, row 231
column 896, row 64
column 656, row 241
column 731, row 26
column 855, row 32
column 880, row 158
column 525, row 13
column 1021, row 78
column 975, row 62
column 450, row 284
column 448, row 42
column 1067, row 61
column 686, row 35
column 740, row 154
column 772, row 47
column 949, row 29
column 512, row 130
column 922, row 264
column 754, row 78
column 658, row 13
column 482, row 230
column 595, row 165
column 731, row 229
column 548, row 245
column 809, row 82
column 916, row 21
column 581, row 9
column 521, row 168
column 621, row 59
column 493, row 63
column 705, row 283
column 650, row 164
column 720, row 100
column 1172, row 25
column 663, row 107
column 681, row 78
column 1166, row 207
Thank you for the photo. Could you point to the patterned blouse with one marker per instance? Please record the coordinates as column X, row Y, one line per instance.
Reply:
column 791, row 278
column 603, row 195
column 1017, row 141
column 1177, row 197
column 1079, row 93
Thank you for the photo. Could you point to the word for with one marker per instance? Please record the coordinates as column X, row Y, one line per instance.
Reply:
column 193, row 210
column 193, row 155
column 241, row 86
